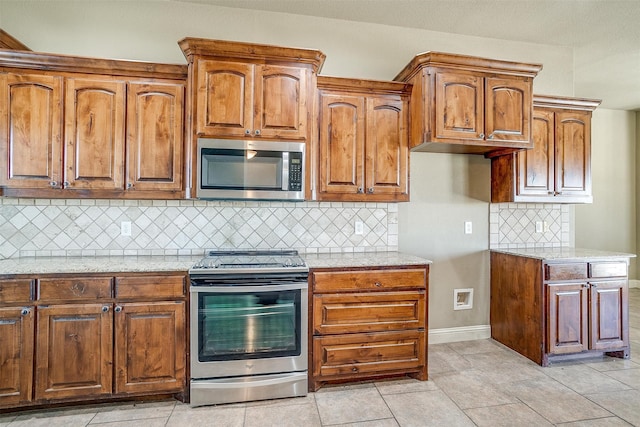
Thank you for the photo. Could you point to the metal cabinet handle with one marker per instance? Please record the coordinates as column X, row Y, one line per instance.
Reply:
column 370, row 190
column 129, row 185
column 118, row 309
column 490, row 136
column 247, row 131
column 257, row 132
column 593, row 285
column 481, row 135
column 25, row 311
column 378, row 284
column 53, row 183
column 105, row 308
column 360, row 190
column 66, row 183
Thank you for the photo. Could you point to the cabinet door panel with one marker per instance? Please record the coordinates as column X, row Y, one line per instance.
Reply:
column 342, row 136
column 281, row 102
column 75, row 348
column 30, row 131
column 225, row 98
column 573, row 153
column 94, row 130
column 150, row 347
column 536, row 166
column 567, row 314
column 459, row 108
column 16, row 356
column 609, row 315
column 508, row 110
column 386, row 146
column 155, row 129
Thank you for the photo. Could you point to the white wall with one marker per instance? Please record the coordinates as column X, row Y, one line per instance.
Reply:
column 446, row 190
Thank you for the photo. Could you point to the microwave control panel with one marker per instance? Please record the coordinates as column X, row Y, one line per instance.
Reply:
column 295, row 171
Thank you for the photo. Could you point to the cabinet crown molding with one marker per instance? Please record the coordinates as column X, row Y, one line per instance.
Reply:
column 7, row 41
column 550, row 101
column 363, row 86
column 465, row 62
column 229, row 50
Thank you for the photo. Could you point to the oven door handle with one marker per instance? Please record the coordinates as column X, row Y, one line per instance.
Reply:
column 248, row 289
column 227, row 383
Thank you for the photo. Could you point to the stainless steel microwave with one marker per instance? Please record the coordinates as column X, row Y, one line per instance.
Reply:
column 250, row 170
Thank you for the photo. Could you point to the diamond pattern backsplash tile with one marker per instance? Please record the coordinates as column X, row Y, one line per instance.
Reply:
column 513, row 225
column 57, row 227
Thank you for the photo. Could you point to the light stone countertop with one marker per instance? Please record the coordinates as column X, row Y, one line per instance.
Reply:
column 565, row 254
column 150, row 264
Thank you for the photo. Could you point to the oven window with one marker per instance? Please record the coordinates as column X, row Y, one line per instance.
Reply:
column 248, row 325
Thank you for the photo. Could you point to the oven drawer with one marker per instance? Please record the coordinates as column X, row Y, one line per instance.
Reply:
column 374, row 353
column 76, row 288
column 373, row 280
column 154, row 287
column 368, row 312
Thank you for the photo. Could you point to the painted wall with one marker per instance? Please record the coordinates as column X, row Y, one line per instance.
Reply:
column 610, row 222
column 446, row 190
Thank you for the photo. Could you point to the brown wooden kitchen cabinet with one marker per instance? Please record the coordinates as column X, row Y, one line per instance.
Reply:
column 465, row 104
column 363, row 148
column 16, row 341
column 557, row 169
column 560, row 309
column 96, row 337
column 82, row 127
column 367, row 323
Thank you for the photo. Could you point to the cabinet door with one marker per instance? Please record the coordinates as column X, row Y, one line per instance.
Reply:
column 30, row 131
column 573, row 153
column 536, row 166
column 74, row 351
column 609, row 315
column 16, row 355
column 459, row 111
column 94, row 131
column 508, row 110
column 224, row 98
column 150, row 347
column 387, row 147
column 567, row 314
column 281, row 102
column 342, row 139
column 155, row 129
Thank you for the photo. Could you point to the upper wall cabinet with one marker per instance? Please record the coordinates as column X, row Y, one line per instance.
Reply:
column 557, row 169
column 80, row 127
column 464, row 104
column 363, row 149
column 242, row 90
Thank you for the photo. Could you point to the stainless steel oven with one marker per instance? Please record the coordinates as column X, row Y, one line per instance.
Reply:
column 248, row 326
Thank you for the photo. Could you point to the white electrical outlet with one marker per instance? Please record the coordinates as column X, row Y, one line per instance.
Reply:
column 125, row 228
column 539, row 227
column 468, row 227
column 358, row 228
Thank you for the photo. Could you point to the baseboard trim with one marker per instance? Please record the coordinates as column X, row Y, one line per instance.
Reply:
column 464, row 333
column 634, row 283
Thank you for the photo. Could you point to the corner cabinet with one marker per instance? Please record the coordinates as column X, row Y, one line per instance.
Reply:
column 557, row 169
column 465, row 104
column 79, row 127
column 363, row 147
column 367, row 323
column 565, row 308
column 69, row 338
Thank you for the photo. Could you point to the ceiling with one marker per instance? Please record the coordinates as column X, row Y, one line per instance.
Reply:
column 605, row 34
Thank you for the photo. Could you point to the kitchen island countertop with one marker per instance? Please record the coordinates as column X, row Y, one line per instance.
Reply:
column 150, row 264
column 565, row 253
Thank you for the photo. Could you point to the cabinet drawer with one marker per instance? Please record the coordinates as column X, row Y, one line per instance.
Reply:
column 368, row 353
column 368, row 312
column 569, row 271
column 607, row 269
column 155, row 287
column 79, row 288
column 16, row 290
column 336, row 281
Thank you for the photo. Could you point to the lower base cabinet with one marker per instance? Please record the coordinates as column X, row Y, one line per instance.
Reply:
column 368, row 323
column 560, row 309
column 70, row 338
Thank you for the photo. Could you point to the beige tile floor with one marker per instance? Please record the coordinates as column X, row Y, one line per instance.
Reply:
column 471, row 383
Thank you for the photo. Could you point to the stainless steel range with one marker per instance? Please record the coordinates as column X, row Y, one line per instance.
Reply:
column 249, row 313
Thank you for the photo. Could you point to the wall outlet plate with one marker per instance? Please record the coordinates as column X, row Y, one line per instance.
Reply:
column 463, row 299
column 468, row 227
column 125, row 228
column 358, row 228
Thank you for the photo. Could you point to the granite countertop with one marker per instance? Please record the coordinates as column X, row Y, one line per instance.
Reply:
column 565, row 254
column 150, row 264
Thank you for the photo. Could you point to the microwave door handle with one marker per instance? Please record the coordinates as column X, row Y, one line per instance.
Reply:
column 285, row 171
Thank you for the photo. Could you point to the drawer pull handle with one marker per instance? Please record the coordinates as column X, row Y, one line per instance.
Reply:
column 25, row 311
column 118, row 309
column 105, row 308
column 378, row 284
column 354, row 369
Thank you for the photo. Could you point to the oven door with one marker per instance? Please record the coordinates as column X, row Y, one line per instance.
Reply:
column 248, row 330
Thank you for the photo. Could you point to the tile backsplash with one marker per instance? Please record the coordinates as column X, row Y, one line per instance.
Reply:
column 513, row 225
column 78, row 227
